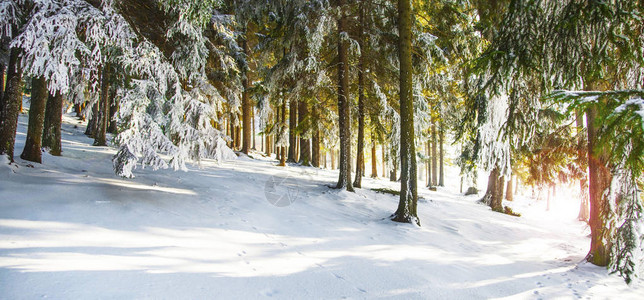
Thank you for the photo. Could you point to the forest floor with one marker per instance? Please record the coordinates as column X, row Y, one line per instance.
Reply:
column 71, row 229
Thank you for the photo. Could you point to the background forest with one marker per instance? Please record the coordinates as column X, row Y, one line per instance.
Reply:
column 533, row 92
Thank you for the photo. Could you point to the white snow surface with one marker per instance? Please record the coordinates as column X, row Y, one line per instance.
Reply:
column 71, row 229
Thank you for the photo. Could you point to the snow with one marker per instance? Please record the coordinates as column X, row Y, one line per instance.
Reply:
column 71, row 229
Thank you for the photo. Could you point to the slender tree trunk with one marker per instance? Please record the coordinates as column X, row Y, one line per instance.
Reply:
column 33, row 143
column 434, row 157
column 428, row 164
column 441, row 156
column 2, row 73
column 361, row 67
column 283, row 148
column 252, row 116
column 53, row 121
column 332, row 159
column 374, row 160
column 344, row 112
column 384, row 160
column 407, row 206
column 583, row 183
column 11, row 102
column 600, row 180
column 104, row 108
column 246, row 103
column 292, row 128
column 305, row 143
column 316, row 147
column 92, row 125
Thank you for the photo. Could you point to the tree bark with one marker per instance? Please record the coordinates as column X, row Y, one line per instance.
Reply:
column 104, row 108
column 441, row 156
column 374, row 160
column 332, row 159
column 434, row 157
column 114, row 107
column 246, row 104
column 33, row 143
column 407, row 206
column 494, row 194
column 600, row 180
column 316, row 147
column 305, row 143
column 283, row 123
column 584, row 213
column 252, row 116
column 2, row 73
column 11, row 102
column 292, row 128
column 53, row 121
column 360, row 153
column 384, row 160
column 92, row 125
column 344, row 112
column 428, row 163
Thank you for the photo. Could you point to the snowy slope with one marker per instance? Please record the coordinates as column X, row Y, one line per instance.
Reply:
column 70, row 229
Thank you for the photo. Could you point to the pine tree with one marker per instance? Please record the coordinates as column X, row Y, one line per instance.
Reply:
column 33, row 142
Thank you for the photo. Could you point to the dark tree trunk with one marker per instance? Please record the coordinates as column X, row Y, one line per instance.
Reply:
column 407, row 205
column 92, row 125
column 600, row 180
column 33, row 143
column 292, row 134
column 305, row 143
column 344, row 112
column 53, row 121
column 374, row 160
column 494, row 194
column 2, row 73
column 316, row 147
column 384, row 160
column 428, row 163
column 78, row 109
column 252, row 116
column 434, row 157
column 282, row 150
column 11, row 103
column 114, row 107
column 104, row 108
column 441, row 156
column 361, row 67
column 238, row 137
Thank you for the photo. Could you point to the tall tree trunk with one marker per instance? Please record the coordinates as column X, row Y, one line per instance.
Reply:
column 332, row 159
column 252, row 116
column 53, row 121
column 316, row 147
column 33, row 143
column 246, row 103
column 344, row 112
column 374, row 159
column 104, row 108
column 428, row 163
column 292, row 131
column 361, row 67
column 2, row 73
column 92, row 125
column 384, row 160
column 441, row 156
column 583, row 182
column 305, row 143
column 434, row 157
column 11, row 103
column 600, row 180
column 494, row 194
column 283, row 148
column 407, row 206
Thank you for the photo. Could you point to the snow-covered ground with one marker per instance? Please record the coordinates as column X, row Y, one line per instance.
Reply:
column 71, row 229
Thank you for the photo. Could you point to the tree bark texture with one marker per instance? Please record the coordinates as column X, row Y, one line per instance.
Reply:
column 53, row 121
column 407, row 206
column 434, row 157
column 360, row 153
column 246, row 104
column 11, row 103
column 292, row 131
column 344, row 112
column 494, row 194
column 33, row 143
column 103, row 108
column 441, row 156
column 305, row 143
